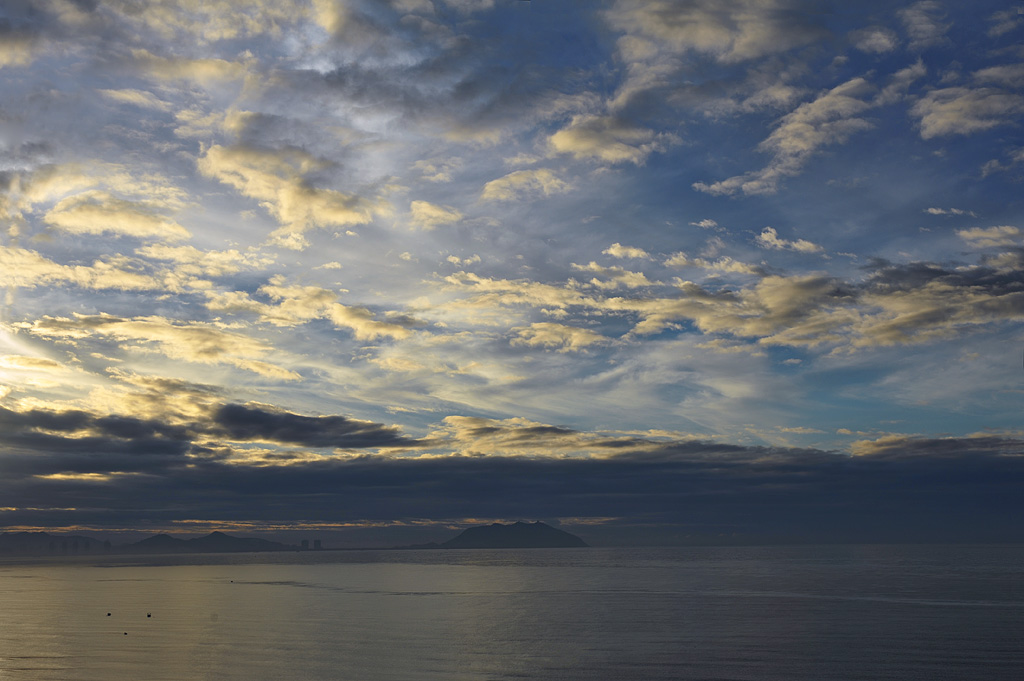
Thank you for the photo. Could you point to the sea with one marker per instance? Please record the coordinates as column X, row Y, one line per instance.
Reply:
column 779, row 613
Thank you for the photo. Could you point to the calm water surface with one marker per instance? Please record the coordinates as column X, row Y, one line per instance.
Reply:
column 752, row 613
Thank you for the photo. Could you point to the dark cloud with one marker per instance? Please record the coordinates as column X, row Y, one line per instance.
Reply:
column 45, row 442
column 264, row 423
column 887, row 277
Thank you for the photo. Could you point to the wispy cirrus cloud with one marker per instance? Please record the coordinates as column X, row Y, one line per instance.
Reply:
column 965, row 111
column 832, row 118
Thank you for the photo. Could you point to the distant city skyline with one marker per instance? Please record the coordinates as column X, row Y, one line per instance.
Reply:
column 658, row 271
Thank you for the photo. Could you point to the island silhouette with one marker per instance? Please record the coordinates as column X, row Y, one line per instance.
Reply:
column 517, row 535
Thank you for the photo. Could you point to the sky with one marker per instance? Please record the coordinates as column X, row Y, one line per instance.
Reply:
column 653, row 271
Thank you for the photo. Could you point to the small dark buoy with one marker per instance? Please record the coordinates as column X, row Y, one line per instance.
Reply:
column 126, row 633
column 108, row 614
column 149, row 614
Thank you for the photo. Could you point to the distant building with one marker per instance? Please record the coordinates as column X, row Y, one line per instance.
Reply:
column 305, row 545
column 317, row 545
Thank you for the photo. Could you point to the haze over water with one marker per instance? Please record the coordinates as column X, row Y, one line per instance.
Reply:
column 744, row 613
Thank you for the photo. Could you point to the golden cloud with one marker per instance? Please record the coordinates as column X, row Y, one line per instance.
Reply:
column 20, row 267
column 191, row 341
column 606, row 139
column 277, row 180
column 298, row 304
column 97, row 212
column 564, row 338
column 427, row 215
column 524, row 183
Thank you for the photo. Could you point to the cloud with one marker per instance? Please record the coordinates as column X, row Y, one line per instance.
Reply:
column 265, row 423
column 20, row 267
column 28, row 363
column 990, row 237
column 97, row 197
column 486, row 292
column 1006, row 75
column 895, row 305
column 949, row 211
column 899, row 83
column 188, row 341
column 456, row 260
column 140, row 98
column 800, row 430
column 438, row 170
column 918, row 303
column 193, row 262
column 470, row 6
column 606, row 139
column 902, row 447
column 97, row 212
column 617, row 250
column 617, row 276
column 523, row 183
column 518, row 436
column 428, row 216
column 278, row 180
column 965, row 111
column 829, row 119
column 923, row 23
column 658, row 37
column 724, row 264
column 174, row 401
column 1005, row 21
column 874, row 40
column 769, row 238
column 17, row 48
column 550, row 335
column 214, row 21
column 209, row 73
column 1015, row 157
column 295, row 304
column 734, row 30
column 774, row 305
column 75, row 444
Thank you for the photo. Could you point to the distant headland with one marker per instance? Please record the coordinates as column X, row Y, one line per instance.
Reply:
column 514, row 536
column 519, row 535
column 45, row 544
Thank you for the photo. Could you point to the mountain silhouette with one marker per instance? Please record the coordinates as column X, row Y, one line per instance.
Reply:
column 44, row 544
column 215, row 542
column 515, row 536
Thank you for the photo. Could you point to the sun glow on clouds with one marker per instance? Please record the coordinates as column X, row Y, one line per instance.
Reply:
column 338, row 237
